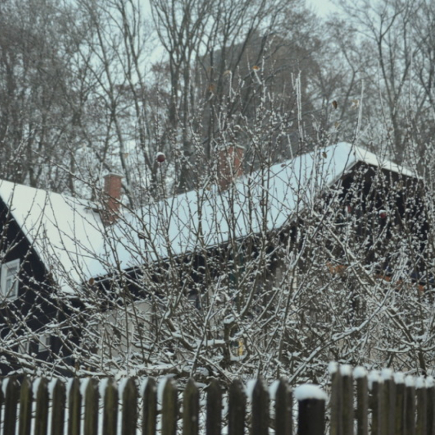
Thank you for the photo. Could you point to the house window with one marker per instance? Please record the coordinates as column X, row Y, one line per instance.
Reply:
column 44, row 343
column 9, row 279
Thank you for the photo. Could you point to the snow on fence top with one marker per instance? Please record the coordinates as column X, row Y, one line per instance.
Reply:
column 309, row 391
column 125, row 402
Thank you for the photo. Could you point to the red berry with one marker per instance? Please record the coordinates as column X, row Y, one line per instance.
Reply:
column 160, row 157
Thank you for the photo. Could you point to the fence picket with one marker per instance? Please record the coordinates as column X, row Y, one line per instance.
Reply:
column 129, row 408
column 110, row 414
column 399, row 423
column 74, row 408
column 362, row 404
column 58, row 409
column 398, row 405
column 41, row 415
column 190, row 409
column 388, row 403
column 421, row 407
column 149, row 414
column 169, row 409
column 283, row 409
column 11, row 402
column 26, row 398
column 214, row 409
column 2, row 402
column 237, row 409
column 347, row 400
column 311, row 416
column 336, row 426
column 430, row 395
column 376, row 399
column 91, row 408
column 260, row 409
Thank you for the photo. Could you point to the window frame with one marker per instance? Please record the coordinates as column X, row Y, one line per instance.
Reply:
column 44, row 343
column 12, row 292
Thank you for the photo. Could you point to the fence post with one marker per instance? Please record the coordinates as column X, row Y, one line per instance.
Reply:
column 169, row 408
column 110, row 416
column 91, row 408
column 430, row 392
column 311, row 419
column 410, row 405
column 190, row 408
column 214, row 409
column 74, row 408
column 237, row 409
column 362, row 403
column 41, row 415
column 1, row 402
column 283, row 409
column 149, row 414
column 26, row 398
column 58, row 408
column 260, row 409
column 421, row 406
column 376, row 399
column 129, row 408
column 400, row 404
column 348, row 412
column 389, row 402
column 336, row 427
column 11, row 402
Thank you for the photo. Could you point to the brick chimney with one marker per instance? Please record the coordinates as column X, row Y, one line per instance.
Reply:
column 230, row 165
column 112, row 197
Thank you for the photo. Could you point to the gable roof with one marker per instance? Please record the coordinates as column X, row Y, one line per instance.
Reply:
column 74, row 245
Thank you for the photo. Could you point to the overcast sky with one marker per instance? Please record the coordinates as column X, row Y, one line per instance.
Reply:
column 322, row 7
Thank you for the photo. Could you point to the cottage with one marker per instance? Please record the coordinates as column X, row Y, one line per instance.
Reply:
column 77, row 278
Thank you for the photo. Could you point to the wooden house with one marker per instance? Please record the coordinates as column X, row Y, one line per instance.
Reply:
column 58, row 252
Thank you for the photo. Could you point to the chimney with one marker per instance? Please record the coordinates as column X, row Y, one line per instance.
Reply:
column 112, row 198
column 230, row 165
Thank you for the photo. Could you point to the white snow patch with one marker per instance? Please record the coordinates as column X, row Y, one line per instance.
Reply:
column 420, row 383
column 374, row 377
column 332, row 367
column 51, row 385
column 309, row 391
column 102, row 386
column 273, row 388
column 228, row 320
column 359, row 372
column 386, row 374
column 346, row 370
column 83, row 385
column 429, row 382
column 5, row 384
column 410, row 381
column 121, row 385
column 399, row 378
column 250, row 385
column 69, row 383
column 35, row 385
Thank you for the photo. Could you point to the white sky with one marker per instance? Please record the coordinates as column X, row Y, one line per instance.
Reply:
column 322, row 7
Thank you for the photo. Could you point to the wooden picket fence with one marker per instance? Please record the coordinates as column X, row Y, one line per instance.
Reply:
column 360, row 403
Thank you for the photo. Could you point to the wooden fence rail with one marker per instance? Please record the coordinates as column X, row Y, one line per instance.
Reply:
column 379, row 403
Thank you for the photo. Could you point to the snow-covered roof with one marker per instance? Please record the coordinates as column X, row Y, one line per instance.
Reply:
column 262, row 201
column 63, row 231
column 74, row 244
